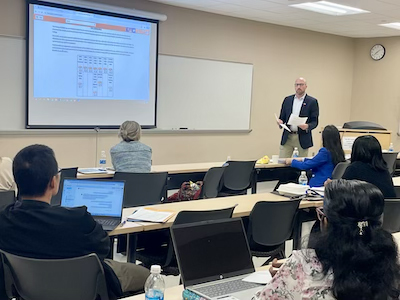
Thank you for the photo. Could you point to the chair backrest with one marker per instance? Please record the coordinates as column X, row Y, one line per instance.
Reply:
column 48, row 279
column 390, row 159
column 339, row 170
column 6, row 198
column 191, row 216
column 271, row 222
column 212, row 182
column 238, row 174
column 391, row 215
column 397, row 190
column 65, row 173
column 143, row 188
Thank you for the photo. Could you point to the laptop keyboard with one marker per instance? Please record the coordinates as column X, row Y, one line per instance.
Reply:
column 107, row 222
column 227, row 287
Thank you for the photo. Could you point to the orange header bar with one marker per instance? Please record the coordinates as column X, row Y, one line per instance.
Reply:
column 111, row 27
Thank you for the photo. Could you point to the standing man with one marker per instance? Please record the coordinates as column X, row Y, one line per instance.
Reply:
column 300, row 105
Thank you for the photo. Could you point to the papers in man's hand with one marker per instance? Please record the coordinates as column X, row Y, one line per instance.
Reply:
column 296, row 120
column 261, row 277
column 282, row 125
column 147, row 214
column 92, row 171
column 292, row 189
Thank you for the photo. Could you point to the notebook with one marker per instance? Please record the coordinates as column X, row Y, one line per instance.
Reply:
column 213, row 258
column 103, row 199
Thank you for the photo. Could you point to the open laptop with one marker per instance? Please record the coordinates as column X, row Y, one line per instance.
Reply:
column 213, row 258
column 103, row 199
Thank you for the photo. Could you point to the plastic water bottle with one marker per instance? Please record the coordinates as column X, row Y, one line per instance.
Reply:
column 303, row 180
column 295, row 152
column 103, row 160
column 391, row 148
column 155, row 285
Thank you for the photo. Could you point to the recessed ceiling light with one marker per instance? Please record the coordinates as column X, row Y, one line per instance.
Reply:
column 329, row 8
column 395, row 25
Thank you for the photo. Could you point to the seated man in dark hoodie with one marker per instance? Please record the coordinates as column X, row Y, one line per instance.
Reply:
column 33, row 228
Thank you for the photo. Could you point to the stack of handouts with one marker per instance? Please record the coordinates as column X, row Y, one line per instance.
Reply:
column 148, row 214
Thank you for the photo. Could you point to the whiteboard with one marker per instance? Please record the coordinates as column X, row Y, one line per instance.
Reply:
column 203, row 94
column 12, row 83
column 192, row 93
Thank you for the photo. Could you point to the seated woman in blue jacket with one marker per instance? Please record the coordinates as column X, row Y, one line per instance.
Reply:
column 325, row 161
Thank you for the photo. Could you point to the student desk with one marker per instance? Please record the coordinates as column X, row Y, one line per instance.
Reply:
column 244, row 206
column 179, row 173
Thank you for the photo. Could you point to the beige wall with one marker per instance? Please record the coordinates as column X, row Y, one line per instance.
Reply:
column 376, row 85
column 279, row 55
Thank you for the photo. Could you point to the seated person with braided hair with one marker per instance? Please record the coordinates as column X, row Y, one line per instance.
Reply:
column 351, row 258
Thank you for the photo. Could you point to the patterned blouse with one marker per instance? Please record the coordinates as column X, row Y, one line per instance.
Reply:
column 299, row 278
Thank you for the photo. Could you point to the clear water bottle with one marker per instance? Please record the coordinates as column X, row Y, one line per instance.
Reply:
column 103, row 160
column 391, row 148
column 295, row 152
column 155, row 285
column 303, row 180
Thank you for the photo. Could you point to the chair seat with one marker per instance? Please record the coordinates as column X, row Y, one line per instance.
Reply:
column 265, row 251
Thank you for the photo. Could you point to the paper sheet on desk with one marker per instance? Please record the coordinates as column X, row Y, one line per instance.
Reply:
column 261, row 277
column 148, row 214
column 129, row 224
column 282, row 125
column 296, row 121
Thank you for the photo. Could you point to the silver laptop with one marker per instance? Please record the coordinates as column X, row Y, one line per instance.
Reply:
column 213, row 258
column 103, row 199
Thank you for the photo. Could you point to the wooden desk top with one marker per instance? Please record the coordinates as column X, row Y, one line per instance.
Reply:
column 181, row 168
column 396, row 181
column 175, row 292
column 244, row 206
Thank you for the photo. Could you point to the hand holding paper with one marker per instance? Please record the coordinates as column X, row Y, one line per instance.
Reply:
column 296, row 121
column 280, row 123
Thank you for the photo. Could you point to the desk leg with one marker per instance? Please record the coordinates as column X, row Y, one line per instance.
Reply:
column 131, row 248
column 304, row 215
column 254, row 181
column 298, row 224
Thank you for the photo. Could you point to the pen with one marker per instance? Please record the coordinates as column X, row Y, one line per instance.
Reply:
column 123, row 223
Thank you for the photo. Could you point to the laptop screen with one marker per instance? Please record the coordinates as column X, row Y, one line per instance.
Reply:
column 101, row 197
column 211, row 250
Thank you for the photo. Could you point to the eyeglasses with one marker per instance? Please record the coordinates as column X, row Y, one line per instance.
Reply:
column 59, row 171
column 299, row 84
column 320, row 213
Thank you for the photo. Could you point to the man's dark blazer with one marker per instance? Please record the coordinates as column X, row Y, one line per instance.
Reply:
column 310, row 110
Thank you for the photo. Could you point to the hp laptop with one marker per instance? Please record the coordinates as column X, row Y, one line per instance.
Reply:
column 213, row 258
column 103, row 199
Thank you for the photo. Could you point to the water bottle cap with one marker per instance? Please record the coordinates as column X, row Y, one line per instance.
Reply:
column 155, row 269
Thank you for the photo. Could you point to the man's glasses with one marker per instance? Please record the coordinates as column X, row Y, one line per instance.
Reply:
column 299, row 84
column 320, row 213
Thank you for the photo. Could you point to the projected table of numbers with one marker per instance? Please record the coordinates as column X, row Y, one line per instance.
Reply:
column 95, row 76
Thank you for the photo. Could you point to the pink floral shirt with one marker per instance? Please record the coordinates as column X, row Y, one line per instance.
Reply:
column 299, row 278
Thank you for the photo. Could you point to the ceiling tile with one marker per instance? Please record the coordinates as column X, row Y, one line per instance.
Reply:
column 279, row 12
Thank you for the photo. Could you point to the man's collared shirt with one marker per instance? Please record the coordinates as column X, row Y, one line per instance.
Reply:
column 297, row 103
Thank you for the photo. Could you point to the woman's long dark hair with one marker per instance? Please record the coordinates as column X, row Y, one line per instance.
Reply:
column 362, row 256
column 331, row 141
column 367, row 149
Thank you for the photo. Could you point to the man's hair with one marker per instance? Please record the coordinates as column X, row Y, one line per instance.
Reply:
column 33, row 168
